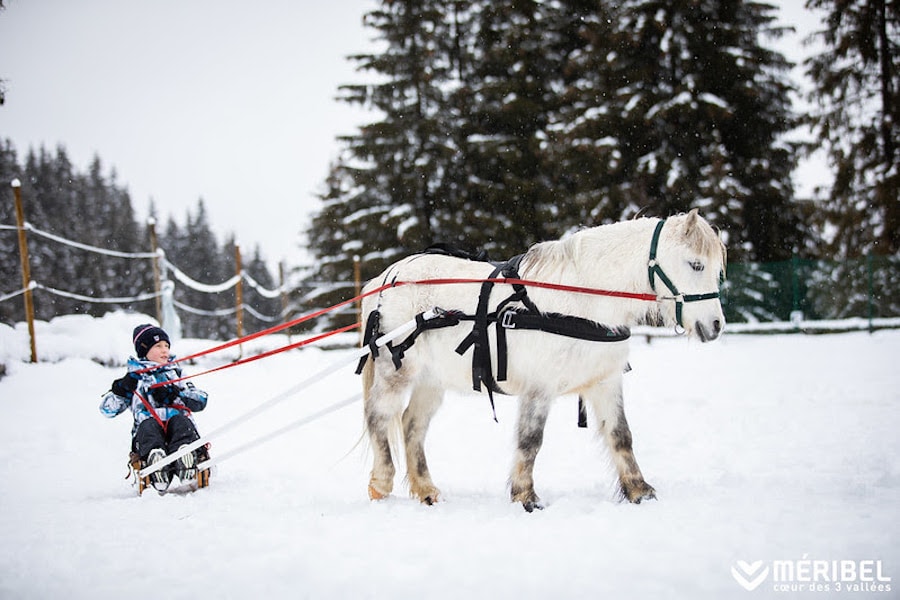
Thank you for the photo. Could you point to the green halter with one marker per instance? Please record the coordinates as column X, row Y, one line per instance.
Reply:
column 654, row 270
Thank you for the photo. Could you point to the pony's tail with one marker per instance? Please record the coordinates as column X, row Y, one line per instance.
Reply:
column 368, row 379
column 395, row 431
column 366, row 368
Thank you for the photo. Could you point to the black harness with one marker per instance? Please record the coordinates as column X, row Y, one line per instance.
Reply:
column 515, row 312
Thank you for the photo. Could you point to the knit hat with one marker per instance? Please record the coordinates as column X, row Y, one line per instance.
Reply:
column 146, row 336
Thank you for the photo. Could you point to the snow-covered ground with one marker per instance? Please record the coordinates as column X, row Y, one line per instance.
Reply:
column 781, row 449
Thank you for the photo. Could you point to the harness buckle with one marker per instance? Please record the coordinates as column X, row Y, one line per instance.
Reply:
column 508, row 319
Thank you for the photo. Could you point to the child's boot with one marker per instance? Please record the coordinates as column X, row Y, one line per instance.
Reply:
column 186, row 469
column 160, row 478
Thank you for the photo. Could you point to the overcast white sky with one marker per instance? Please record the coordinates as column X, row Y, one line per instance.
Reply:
column 229, row 101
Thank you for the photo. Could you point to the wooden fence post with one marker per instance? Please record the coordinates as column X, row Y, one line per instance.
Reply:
column 357, row 284
column 870, row 280
column 284, row 298
column 157, row 286
column 26, row 267
column 239, row 292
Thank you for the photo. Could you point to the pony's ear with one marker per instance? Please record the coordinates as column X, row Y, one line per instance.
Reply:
column 691, row 221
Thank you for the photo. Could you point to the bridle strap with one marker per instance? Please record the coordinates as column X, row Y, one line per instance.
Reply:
column 654, row 270
column 652, row 265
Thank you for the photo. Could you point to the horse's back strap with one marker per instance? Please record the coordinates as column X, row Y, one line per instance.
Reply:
column 451, row 250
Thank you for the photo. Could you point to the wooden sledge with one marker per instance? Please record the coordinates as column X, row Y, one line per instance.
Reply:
column 200, row 480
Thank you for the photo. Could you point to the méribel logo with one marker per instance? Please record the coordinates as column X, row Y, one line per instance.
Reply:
column 749, row 575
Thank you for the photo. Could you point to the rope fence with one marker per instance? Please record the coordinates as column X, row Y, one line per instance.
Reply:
column 163, row 293
column 12, row 295
column 106, row 252
column 82, row 298
column 798, row 310
column 172, row 268
column 168, row 268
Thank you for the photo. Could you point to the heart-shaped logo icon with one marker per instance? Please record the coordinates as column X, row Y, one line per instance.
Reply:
column 749, row 575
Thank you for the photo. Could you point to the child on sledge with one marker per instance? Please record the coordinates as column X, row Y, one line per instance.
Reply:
column 162, row 414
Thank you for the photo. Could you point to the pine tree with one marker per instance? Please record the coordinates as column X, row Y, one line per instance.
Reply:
column 226, row 324
column 388, row 195
column 265, row 306
column 584, row 153
column 857, row 88
column 506, row 124
column 333, row 237
column 52, row 193
column 196, row 252
column 107, row 210
column 688, row 110
column 516, row 71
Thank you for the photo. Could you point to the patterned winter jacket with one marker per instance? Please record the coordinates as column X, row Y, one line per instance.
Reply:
column 189, row 398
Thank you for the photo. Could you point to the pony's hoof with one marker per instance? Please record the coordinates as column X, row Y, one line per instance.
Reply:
column 648, row 496
column 643, row 491
column 529, row 499
column 375, row 494
column 426, row 494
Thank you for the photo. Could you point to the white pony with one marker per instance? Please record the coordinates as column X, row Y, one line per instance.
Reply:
column 664, row 272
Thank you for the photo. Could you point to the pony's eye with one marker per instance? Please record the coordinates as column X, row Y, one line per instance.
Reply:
column 696, row 265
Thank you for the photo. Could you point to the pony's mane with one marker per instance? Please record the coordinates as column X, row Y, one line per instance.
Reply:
column 546, row 258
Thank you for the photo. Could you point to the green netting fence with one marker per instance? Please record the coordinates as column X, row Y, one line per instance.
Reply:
column 867, row 287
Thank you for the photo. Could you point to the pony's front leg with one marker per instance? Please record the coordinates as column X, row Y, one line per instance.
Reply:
column 608, row 404
column 423, row 403
column 533, row 411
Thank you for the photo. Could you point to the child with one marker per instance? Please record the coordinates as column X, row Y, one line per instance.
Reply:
column 162, row 415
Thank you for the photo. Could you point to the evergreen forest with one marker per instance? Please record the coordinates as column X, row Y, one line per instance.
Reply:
column 503, row 124
column 93, row 209
column 497, row 125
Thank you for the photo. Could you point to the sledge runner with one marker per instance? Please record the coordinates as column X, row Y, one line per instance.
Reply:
column 162, row 413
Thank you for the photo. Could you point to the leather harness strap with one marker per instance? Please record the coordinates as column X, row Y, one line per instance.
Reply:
column 525, row 316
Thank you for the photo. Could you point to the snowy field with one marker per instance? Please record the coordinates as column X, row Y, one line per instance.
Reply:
column 780, row 449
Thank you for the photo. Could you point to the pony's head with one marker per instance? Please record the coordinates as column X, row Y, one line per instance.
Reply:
column 686, row 265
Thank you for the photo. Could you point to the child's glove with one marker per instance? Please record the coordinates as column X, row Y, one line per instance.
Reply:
column 125, row 386
column 166, row 394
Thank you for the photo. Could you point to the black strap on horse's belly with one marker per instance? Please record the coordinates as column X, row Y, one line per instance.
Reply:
column 565, row 325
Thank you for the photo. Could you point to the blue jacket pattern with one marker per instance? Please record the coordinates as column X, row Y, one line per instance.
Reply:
column 189, row 398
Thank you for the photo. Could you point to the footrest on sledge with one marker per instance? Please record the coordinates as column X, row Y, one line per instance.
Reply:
column 203, row 474
column 202, row 478
column 135, row 465
column 198, row 481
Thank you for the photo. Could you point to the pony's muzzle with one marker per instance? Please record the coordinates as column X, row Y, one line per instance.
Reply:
column 712, row 332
